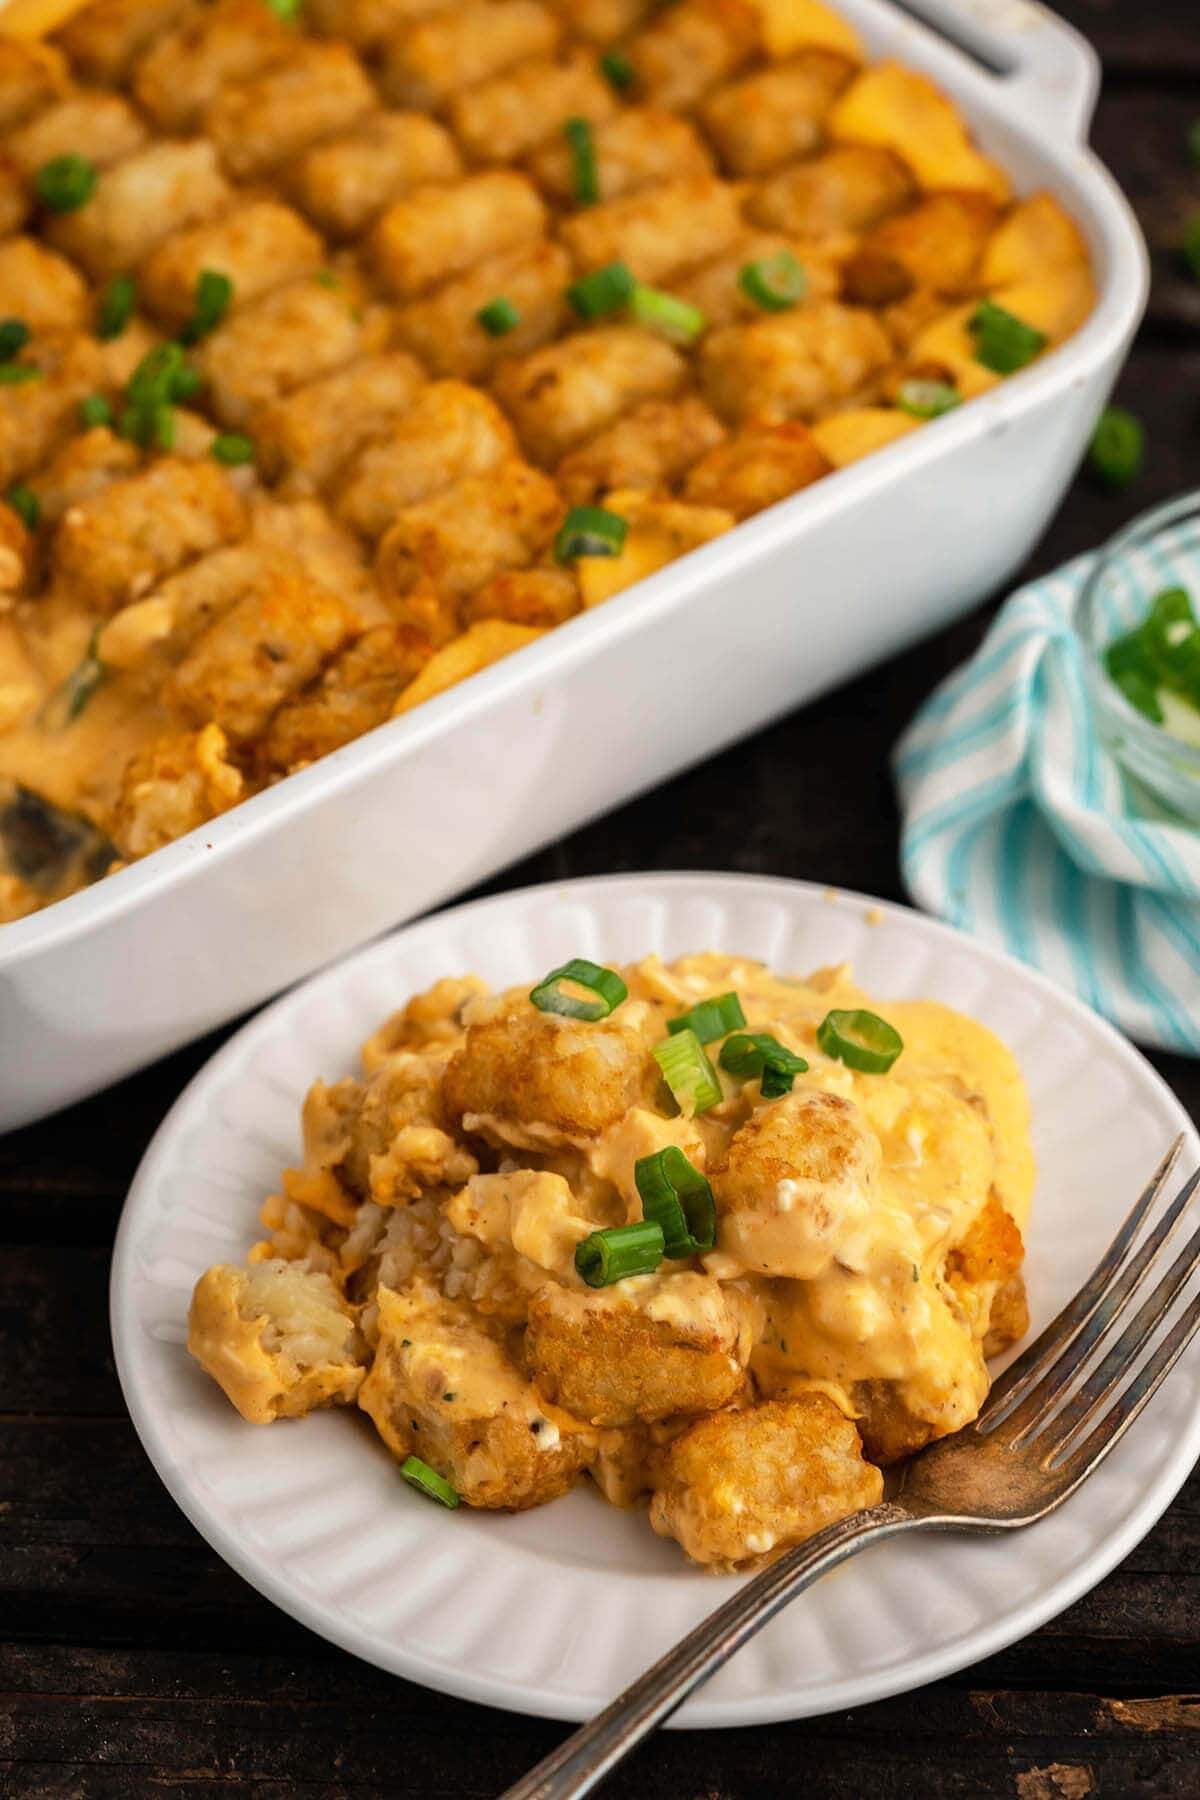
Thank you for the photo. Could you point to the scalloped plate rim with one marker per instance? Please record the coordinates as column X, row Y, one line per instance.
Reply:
column 702, row 1711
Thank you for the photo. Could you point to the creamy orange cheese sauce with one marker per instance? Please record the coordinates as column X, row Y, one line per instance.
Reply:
column 866, row 1262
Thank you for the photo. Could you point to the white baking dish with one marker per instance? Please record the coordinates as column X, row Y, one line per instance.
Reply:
column 782, row 608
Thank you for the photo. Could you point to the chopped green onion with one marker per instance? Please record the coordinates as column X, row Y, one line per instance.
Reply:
column 860, row 1039
column 95, row 410
column 325, row 278
column 1003, row 343
column 25, row 504
column 618, row 1252
column 14, row 335
column 418, row 1474
column 710, row 1019
column 590, row 531
column 678, row 1199
column 927, row 399
column 774, row 282
column 1191, row 244
column 68, row 701
column 17, row 374
column 1140, row 693
column 498, row 317
column 675, row 318
column 1117, row 447
column 688, row 1073
column 758, row 1053
column 231, row 448
column 602, row 292
column 287, row 10
column 605, row 986
column 210, row 303
column 162, row 376
column 65, row 183
column 585, row 175
column 116, row 305
column 617, row 70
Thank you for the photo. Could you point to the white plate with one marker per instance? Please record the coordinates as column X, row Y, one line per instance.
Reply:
column 553, row 1611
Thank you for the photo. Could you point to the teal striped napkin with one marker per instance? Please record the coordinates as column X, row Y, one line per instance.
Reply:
column 1018, row 826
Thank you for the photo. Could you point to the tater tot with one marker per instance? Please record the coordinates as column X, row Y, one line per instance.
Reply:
column 35, row 414
column 16, row 563
column 792, row 364
column 776, row 114
column 506, row 118
column 641, row 147
column 366, row 23
column 28, row 80
column 356, row 692
column 345, row 183
column 738, row 1487
column 102, row 127
column 425, row 63
column 284, row 339
column 658, row 231
column 212, row 47
column 259, row 245
column 262, row 122
column 459, row 538
column 649, row 448
column 266, row 646
column 16, row 202
column 445, row 330
column 687, row 49
column 40, row 287
column 604, row 20
column 716, row 287
column 450, row 432
column 936, row 245
column 137, row 202
column 278, row 1337
column 439, row 231
column 539, row 597
column 80, row 468
column 103, row 40
column 757, row 466
column 311, row 432
column 114, row 546
column 179, row 781
column 848, row 188
column 565, row 392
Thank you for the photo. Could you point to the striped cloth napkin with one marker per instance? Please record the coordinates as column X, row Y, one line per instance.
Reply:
column 1018, row 825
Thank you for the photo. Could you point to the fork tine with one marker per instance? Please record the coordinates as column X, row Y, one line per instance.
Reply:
column 1022, row 1375
column 1119, row 1359
column 1113, row 1424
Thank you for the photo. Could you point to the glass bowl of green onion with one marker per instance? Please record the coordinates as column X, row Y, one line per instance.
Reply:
column 1139, row 624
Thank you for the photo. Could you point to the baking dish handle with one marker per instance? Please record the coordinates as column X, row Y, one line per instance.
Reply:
column 1049, row 73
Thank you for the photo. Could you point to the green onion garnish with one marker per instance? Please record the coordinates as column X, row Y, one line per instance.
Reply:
column 677, row 1198
column 498, row 317
column 1140, row 693
column 860, row 1039
column 774, row 282
column 927, row 399
column 162, row 377
column 1117, row 447
column 619, row 1251
column 17, row 374
column 1163, row 652
column 65, row 182
column 688, row 1073
column 116, row 305
column 605, row 986
column 758, row 1053
column 590, row 531
column 585, row 175
column 710, row 1019
column 210, row 302
column 25, row 504
column 14, row 335
column 1003, row 343
column 617, row 70
column 602, row 292
column 232, row 448
column 418, row 1474
column 287, row 10
column 94, row 410
column 1191, row 244
column 664, row 312
column 68, row 701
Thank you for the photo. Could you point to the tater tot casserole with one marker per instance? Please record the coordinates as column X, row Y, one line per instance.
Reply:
column 346, row 346
column 721, row 1240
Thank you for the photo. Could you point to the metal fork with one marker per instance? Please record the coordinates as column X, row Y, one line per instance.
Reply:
column 1041, row 1433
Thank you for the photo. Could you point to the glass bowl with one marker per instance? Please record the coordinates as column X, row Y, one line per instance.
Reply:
column 1161, row 549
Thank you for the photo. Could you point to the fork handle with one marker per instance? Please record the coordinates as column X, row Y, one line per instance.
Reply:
column 583, row 1760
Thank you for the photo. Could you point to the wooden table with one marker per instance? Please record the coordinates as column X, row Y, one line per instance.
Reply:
column 134, row 1662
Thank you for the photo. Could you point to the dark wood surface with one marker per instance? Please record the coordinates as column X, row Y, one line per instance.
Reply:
column 134, row 1662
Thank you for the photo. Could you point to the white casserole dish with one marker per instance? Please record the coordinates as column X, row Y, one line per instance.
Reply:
column 788, row 604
